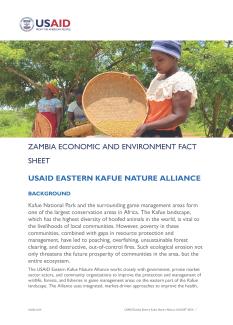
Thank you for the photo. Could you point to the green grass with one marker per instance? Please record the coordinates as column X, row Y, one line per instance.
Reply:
column 226, row 133
column 16, row 124
column 192, row 129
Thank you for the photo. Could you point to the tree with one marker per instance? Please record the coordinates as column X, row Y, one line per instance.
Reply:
column 211, row 64
column 26, row 65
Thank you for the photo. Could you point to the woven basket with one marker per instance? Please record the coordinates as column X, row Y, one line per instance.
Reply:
column 115, row 103
column 80, row 131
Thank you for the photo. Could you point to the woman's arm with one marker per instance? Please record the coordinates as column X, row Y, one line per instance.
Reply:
column 181, row 102
column 70, row 116
column 59, row 114
column 133, row 76
column 37, row 110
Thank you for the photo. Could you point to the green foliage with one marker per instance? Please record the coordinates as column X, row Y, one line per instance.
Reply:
column 16, row 123
column 9, row 54
column 211, row 64
column 26, row 65
column 5, row 121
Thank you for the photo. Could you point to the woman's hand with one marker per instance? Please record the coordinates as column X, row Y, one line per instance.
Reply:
column 140, row 130
column 71, row 125
column 132, row 76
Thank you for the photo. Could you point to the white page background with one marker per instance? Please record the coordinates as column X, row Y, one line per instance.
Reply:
column 105, row 20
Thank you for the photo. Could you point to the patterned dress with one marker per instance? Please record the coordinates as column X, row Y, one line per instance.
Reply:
column 46, row 118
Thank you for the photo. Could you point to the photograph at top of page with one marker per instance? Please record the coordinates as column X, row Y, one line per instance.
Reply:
column 159, row 88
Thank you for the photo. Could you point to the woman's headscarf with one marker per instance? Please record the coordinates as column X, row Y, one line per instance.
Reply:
column 54, row 89
column 172, row 48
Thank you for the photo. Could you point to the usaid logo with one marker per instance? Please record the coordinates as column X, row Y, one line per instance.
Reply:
column 27, row 24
